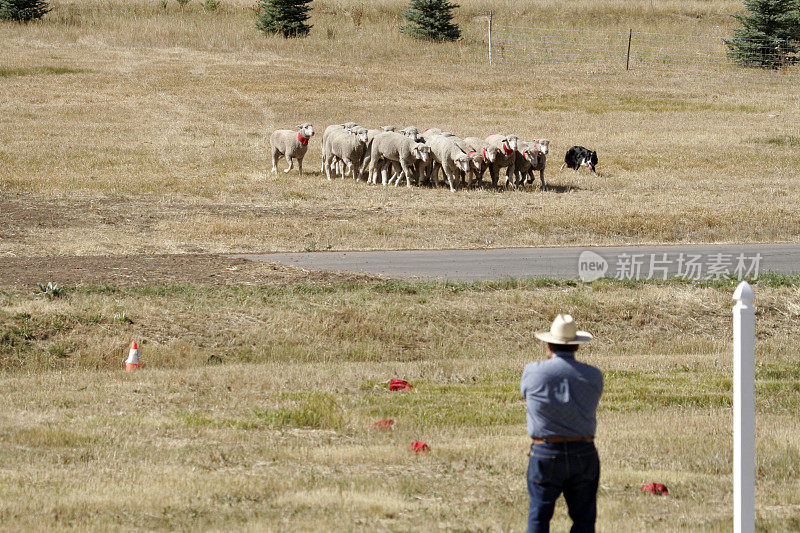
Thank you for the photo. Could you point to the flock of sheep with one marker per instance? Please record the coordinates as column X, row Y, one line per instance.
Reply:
column 352, row 150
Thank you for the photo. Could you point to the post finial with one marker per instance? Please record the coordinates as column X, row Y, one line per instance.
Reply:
column 744, row 292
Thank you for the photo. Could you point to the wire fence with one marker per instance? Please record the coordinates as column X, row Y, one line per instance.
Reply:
column 633, row 50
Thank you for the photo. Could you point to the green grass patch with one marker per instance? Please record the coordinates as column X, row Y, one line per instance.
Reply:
column 32, row 71
column 791, row 141
column 607, row 104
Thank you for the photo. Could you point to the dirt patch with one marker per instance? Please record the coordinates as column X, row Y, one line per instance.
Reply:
column 16, row 218
column 130, row 270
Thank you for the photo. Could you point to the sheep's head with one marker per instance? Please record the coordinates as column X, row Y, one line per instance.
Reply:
column 544, row 145
column 490, row 153
column 511, row 141
column 463, row 162
column 476, row 160
column 422, row 152
column 531, row 154
column 412, row 133
column 388, row 128
column 348, row 125
column 306, row 129
column 361, row 133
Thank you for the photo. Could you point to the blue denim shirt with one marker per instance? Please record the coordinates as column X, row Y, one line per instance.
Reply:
column 561, row 396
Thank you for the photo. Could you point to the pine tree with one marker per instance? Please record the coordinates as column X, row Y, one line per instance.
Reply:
column 430, row 19
column 769, row 36
column 23, row 10
column 284, row 17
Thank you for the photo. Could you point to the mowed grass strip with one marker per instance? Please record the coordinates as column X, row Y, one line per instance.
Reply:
column 254, row 406
column 189, row 325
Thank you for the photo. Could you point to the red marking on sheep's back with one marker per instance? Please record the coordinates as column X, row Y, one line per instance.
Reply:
column 302, row 139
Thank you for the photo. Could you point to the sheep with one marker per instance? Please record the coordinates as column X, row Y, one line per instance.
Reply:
column 391, row 146
column 291, row 144
column 347, row 146
column 544, row 145
column 483, row 154
column 506, row 157
column 431, row 166
column 452, row 157
column 412, row 133
column 530, row 157
column 326, row 135
column 367, row 151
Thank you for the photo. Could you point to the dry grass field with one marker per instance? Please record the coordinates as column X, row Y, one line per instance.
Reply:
column 132, row 129
column 128, row 128
column 254, row 405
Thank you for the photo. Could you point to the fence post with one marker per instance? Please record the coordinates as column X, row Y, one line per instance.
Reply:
column 744, row 341
column 628, row 58
column 491, row 14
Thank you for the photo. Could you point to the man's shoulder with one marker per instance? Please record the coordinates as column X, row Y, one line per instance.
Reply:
column 535, row 366
column 590, row 369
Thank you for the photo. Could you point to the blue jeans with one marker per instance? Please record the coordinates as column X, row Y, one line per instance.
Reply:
column 569, row 467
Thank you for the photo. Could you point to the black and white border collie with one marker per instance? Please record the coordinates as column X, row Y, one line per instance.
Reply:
column 578, row 157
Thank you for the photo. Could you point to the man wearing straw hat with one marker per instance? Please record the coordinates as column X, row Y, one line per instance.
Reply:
column 561, row 397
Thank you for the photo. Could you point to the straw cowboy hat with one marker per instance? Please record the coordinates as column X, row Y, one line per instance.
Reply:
column 564, row 331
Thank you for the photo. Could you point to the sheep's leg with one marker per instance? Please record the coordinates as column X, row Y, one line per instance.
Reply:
column 291, row 164
column 541, row 177
column 326, row 164
column 478, row 180
column 385, row 174
column 275, row 156
column 511, row 172
column 452, row 178
column 364, row 167
column 494, row 173
column 424, row 173
column 371, row 175
column 407, row 171
column 397, row 173
column 300, row 165
column 434, row 178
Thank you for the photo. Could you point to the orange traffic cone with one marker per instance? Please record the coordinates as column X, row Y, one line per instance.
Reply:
column 132, row 364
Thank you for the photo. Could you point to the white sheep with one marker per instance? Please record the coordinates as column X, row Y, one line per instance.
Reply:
column 371, row 133
column 291, row 144
column 451, row 155
column 482, row 154
column 506, row 146
column 348, row 147
column 329, row 161
column 412, row 133
column 530, row 157
column 391, row 146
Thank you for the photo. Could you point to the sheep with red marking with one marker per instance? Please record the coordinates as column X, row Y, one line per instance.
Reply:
column 291, row 144
column 506, row 146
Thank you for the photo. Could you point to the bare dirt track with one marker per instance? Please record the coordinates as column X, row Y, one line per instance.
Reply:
column 128, row 270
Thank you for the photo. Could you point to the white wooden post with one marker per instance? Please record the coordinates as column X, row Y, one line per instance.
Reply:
column 491, row 15
column 744, row 413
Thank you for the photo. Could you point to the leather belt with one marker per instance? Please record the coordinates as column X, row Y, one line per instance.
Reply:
column 548, row 440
